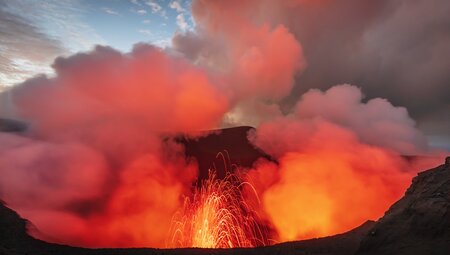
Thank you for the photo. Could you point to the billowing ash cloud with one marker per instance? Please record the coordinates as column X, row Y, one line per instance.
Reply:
column 376, row 122
column 259, row 60
column 96, row 167
column 394, row 49
column 339, row 162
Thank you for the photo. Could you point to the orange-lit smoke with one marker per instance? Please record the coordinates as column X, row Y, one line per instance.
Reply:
column 95, row 167
column 339, row 162
column 256, row 59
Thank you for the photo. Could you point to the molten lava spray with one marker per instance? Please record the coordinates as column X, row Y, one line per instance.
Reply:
column 217, row 217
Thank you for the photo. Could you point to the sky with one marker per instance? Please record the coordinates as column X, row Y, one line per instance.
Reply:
column 65, row 27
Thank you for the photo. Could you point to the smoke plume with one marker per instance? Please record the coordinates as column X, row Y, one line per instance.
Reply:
column 97, row 166
column 334, row 172
column 94, row 167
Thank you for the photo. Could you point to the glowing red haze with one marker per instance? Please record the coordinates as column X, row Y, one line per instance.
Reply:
column 97, row 166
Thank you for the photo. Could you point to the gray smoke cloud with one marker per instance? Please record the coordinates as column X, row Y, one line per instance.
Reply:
column 400, row 52
column 393, row 49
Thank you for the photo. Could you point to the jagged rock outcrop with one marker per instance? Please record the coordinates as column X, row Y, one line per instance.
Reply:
column 8, row 125
column 232, row 142
column 419, row 223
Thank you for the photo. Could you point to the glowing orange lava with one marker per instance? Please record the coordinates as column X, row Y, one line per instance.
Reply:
column 217, row 217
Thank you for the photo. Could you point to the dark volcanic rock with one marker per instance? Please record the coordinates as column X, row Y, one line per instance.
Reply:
column 14, row 240
column 419, row 223
column 7, row 125
column 232, row 142
column 13, row 228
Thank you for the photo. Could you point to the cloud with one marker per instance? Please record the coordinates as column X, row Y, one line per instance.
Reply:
column 141, row 12
column 113, row 168
column 258, row 61
column 390, row 127
column 136, row 2
column 394, row 49
column 261, row 59
column 145, row 32
column 67, row 23
column 340, row 157
column 163, row 43
column 181, row 22
column 110, row 11
column 22, row 43
column 104, row 119
column 176, row 6
column 29, row 45
column 329, row 145
column 156, row 8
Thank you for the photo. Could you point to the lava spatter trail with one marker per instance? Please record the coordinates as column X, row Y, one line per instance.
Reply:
column 217, row 216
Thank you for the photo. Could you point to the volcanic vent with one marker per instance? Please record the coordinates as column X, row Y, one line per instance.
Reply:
column 416, row 224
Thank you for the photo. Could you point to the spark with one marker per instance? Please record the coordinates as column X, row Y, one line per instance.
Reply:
column 217, row 217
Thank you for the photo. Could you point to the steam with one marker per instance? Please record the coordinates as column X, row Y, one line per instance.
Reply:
column 97, row 167
column 376, row 123
column 334, row 172
column 95, row 154
column 257, row 60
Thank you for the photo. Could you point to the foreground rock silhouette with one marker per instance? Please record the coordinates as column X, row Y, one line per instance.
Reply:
column 419, row 223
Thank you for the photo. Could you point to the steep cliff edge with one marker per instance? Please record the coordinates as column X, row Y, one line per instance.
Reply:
column 419, row 223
